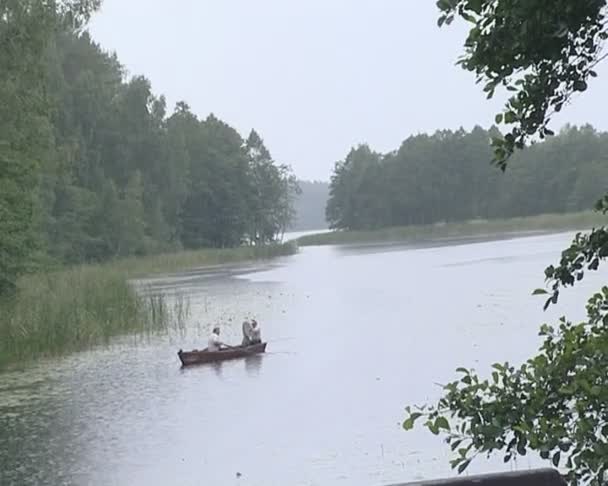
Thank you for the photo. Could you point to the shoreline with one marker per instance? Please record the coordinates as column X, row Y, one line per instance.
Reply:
column 170, row 263
column 58, row 311
column 541, row 224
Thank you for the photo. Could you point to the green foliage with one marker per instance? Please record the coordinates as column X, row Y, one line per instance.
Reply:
column 93, row 168
column 555, row 403
column 584, row 254
column 55, row 313
column 355, row 192
column 540, row 53
column 24, row 131
column 27, row 28
column 271, row 200
column 445, row 177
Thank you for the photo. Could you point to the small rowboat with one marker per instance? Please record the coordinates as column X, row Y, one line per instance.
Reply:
column 199, row 357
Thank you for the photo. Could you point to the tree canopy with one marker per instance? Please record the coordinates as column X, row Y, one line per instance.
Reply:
column 541, row 52
column 93, row 166
column 446, row 177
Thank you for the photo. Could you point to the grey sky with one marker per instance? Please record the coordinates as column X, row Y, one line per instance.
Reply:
column 313, row 77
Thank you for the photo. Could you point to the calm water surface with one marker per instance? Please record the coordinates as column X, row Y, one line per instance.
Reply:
column 356, row 334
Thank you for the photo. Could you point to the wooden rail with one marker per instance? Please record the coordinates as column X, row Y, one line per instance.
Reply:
column 539, row 477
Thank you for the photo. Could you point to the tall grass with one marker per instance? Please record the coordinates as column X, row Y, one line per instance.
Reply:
column 69, row 310
column 543, row 223
column 55, row 313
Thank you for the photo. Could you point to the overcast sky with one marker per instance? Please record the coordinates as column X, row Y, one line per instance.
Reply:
column 313, row 77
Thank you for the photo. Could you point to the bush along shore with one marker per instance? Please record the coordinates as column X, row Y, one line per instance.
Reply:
column 547, row 223
column 66, row 310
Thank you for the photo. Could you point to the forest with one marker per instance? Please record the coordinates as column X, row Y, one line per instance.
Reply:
column 447, row 177
column 94, row 166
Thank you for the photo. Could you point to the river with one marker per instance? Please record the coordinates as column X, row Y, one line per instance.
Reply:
column 355, row 334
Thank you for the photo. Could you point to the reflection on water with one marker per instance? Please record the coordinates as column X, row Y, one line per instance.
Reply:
column 253, row 365
column 354, row 336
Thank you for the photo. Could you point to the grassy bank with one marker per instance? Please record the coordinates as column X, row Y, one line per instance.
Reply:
column 64, row 311
column 68, row 310
column 185, row 260
column 544, row 223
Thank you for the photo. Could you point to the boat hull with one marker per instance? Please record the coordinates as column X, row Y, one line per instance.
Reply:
column 189, row 358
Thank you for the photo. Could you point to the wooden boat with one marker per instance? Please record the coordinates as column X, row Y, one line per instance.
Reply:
column 199, row 357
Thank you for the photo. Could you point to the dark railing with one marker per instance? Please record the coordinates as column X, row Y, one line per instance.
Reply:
column 540, row 477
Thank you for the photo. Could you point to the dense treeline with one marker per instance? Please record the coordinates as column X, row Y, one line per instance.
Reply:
column 447, row 177
column 310, row 206
column 92, row 165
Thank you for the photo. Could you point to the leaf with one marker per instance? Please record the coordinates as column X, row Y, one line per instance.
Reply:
column 411, row 421
column 594, row 264
column 580, row 85
column 463, row 466
column 540, row 292
column 556, row 458
column 475, row 6
column 442, row 423
column 510, row 117
column 434, row 430
column 498, row 119
column 454, row 445
column 521, row 449
column 408, row 424
column 444, row 5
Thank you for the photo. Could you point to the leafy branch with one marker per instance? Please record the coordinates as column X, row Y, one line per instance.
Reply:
column 543, row 56
column 555, row 404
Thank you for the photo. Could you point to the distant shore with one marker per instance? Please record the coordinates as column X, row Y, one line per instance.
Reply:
column 546, row 223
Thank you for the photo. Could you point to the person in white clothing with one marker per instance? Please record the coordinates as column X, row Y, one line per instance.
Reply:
column 246, row 333
column 256, row 335
column 251, row 333
column 215, row 343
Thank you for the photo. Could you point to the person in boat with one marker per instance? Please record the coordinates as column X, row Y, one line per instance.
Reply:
column 251, row 333
column 215, row 343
